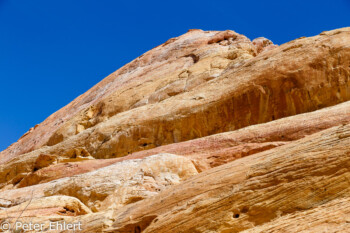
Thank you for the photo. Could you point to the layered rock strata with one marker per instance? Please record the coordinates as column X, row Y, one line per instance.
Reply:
column 208, row 132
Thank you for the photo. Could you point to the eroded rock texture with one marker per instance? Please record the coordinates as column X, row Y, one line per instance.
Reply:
column 208, row 132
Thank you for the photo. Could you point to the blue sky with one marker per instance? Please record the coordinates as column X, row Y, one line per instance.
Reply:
column 52, row 51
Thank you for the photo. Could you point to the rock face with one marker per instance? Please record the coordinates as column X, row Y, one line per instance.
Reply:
column 251, row 191
column 218, row 149
column 54, row 206
column 208, row 132
column 115, row 185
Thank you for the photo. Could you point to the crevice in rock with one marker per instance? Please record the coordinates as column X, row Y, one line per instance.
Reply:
column 194, row 57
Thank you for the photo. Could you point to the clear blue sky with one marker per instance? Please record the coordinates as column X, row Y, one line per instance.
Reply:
column 52, row 51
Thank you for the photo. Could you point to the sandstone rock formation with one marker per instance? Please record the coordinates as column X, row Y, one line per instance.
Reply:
column 47, row 206
column 251, row 191
column 115, row 185
column 218, row 149
column 208, row 132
